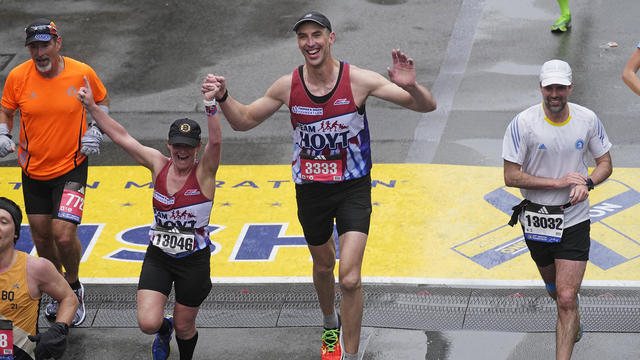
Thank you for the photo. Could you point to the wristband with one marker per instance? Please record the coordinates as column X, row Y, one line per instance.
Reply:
column 210, row 110
column 104, row 108
column 224, row 97
column 209, row 102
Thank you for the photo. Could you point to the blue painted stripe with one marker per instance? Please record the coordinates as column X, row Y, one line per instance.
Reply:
column 622, row 202
column 603, row 257
column 502, row 200
column 600, row 255
column 496, row 256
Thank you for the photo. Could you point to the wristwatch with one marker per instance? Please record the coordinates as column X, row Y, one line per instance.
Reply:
column 590, row 184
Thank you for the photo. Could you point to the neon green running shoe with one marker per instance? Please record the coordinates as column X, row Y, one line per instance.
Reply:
column 331, row 349
column 562, row 24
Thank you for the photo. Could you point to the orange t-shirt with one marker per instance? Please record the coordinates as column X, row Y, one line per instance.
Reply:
column 52, row 120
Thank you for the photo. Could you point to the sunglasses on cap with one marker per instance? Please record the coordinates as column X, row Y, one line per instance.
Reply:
column 41, row 29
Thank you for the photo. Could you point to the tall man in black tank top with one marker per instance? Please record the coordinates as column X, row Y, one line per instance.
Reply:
column 331, row 161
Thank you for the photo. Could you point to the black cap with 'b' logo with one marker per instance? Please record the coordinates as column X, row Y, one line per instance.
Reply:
column 184, row 131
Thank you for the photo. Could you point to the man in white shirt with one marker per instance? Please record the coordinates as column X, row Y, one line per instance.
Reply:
column 545, row 152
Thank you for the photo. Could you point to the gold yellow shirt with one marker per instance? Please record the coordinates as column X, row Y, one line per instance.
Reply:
column 17, row 305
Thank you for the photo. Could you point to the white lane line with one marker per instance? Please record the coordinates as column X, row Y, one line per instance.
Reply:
column 427, row 134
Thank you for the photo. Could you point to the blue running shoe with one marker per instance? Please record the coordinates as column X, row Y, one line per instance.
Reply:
column 78, row 318
column 51, row 310
column 161, row 347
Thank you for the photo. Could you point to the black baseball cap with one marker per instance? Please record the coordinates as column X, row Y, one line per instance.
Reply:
column 314, row 16
column 40, row 30
column 184, row 131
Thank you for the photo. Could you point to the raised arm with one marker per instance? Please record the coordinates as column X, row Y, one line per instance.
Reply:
column 143, row 155
column 208, row 165
column 245, row 117
column 630, row 72
column 401, row 88
column 106, row 101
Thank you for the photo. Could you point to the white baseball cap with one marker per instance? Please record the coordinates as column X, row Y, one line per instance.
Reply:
column 555, row 72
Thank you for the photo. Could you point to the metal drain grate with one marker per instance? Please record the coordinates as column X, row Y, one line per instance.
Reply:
column 390, row 306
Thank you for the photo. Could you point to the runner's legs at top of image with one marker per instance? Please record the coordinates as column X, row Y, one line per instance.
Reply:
column 564, row 21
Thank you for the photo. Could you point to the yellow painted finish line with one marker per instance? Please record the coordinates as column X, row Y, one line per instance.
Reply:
column 430, row 224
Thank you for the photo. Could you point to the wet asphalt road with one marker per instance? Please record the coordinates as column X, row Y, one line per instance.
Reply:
column 480, row 58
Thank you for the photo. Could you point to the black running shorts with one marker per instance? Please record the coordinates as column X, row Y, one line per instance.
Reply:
column 43, row 196
column 574, row 245
column 191, row 275
column 348, row 202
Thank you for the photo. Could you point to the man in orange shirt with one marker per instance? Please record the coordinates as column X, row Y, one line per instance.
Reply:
column 55, row 140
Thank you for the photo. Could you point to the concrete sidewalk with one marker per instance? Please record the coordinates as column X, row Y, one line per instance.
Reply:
column 383, row 344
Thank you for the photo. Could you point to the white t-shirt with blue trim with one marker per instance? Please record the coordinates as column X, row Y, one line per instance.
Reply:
column 551, row 150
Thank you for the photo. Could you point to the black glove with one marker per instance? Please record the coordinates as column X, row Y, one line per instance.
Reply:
column 51, row 343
